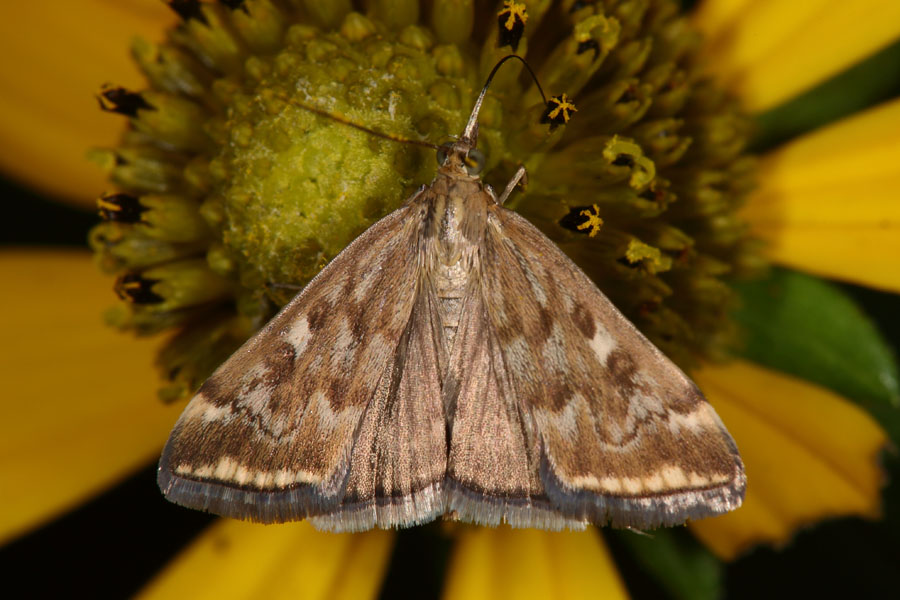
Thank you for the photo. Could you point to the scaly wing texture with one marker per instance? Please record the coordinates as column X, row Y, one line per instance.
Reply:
column 400, row 454
column 493, row 469
column 275, row 432
column 609, row 428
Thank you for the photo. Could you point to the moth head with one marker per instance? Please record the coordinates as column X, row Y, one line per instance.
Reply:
column 461, row 157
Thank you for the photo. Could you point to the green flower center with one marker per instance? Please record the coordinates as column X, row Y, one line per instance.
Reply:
column 298, row 187
column 245, row 171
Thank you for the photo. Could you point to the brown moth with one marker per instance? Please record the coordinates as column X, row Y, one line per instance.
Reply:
column 452, row 362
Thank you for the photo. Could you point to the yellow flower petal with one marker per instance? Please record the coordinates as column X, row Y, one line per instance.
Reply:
column 528, row 563
column 234, row 560
column 828, row 202
column 79, row 408
column 711, row 16
column 56, row 55
column 809, row 455
column 768, row 51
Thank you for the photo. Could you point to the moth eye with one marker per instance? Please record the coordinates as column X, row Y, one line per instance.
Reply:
column 474, row 161
column 443, row 152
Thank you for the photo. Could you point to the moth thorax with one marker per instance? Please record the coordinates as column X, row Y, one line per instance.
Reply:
column 460, row 215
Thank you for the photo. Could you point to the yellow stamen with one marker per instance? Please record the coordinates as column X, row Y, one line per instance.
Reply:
column 564, row 106
column 650, row 257
column 105, row 205
column 593, row 221
column 515, row 12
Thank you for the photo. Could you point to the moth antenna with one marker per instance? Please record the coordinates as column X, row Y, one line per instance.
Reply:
column 470, row 133
column 345, row 121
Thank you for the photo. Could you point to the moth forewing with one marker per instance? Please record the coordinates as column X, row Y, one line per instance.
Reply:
column 623, row 435
column 399, row 456
column 270, row 436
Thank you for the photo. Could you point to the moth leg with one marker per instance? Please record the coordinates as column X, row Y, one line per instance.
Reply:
column 521, row 175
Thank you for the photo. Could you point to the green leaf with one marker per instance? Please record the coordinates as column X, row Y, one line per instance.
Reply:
column 810, row 328
column 865, row 84
column 678, row 563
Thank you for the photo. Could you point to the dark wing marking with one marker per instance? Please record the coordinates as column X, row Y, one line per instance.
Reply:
column 271, row 435
column 616, row 432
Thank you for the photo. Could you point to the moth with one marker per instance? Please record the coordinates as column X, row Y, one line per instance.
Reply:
column 452, row 362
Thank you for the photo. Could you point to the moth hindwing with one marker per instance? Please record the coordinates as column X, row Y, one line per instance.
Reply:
column 453, row 362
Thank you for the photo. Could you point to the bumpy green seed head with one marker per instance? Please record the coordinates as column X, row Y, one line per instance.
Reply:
column 231, row 184
column 298, row 187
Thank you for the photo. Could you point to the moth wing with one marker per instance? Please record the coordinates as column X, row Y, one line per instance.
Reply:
column 399, row 458
column 611, row 429
column 270, row 436
column 493, row 470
